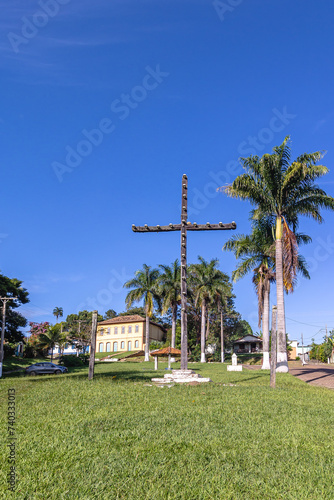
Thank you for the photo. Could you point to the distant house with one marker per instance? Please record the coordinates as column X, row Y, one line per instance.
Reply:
column 299, row 350
column 126, row 333
column 247, row 344
column 70, row 348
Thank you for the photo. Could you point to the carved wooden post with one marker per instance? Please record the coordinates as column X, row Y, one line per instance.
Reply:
column 184, row 216
column 92, row 346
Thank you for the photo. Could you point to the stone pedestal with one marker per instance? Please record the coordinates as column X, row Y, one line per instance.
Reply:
column 234, row 367
column 181, row 377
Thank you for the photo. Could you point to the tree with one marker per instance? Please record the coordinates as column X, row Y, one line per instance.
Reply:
column 144, row 286
column 206, row 284
column 283, row 191
column 255, row 252
column 110, row 314
column 170, row 291
column 12, row 287
column 50, row 338
column 58, row 312
column 79, row 328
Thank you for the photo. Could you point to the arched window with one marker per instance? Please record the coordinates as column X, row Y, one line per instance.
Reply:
column 115, row 347
column 137, row 343
column 101, row 347
column 122, row 345
column 129, row 345
column 108, row 347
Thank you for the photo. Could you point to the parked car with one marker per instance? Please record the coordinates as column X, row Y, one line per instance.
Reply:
column 40, row 368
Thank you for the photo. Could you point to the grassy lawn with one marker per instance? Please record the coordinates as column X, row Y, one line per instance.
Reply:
column 119, row 437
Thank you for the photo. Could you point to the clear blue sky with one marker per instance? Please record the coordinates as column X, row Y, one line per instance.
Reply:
column 174, row 87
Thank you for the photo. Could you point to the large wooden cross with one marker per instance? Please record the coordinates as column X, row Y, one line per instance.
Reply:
column 184, row 227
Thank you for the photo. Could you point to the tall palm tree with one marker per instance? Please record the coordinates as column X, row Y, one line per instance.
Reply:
column 282, row 191
column 255, row 252
column 145, row 287
column 206, row 282
column 170, row 292
column 58, row 312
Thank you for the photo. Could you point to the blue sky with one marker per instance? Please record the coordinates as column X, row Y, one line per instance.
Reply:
column 105, row 104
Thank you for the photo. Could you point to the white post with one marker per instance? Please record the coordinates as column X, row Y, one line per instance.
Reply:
column 155, row 362
column 169, row 360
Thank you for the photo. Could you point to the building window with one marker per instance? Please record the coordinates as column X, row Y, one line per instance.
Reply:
column 101, row 347
column 137, row 343
column 137, row 328
column 129, row 329
column 101, row 332
column 123, row 329
column 122, row 345
column 116, row 330
column 108, row 330
column 129, row 345
column 73, row 346
column 108, row 347
column 115, row 346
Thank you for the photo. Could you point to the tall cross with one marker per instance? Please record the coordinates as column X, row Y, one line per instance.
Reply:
column 184, row 227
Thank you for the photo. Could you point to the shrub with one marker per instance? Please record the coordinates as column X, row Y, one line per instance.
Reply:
column 297, row 358
column 70, row 360
column 156, row 344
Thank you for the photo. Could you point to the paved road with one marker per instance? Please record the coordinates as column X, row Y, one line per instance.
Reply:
column 320, row 375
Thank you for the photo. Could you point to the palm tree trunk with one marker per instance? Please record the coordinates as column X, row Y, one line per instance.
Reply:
column 222, row 335
column 265, row 327
column 147, row 338
column 203, row 333
column 282, row 359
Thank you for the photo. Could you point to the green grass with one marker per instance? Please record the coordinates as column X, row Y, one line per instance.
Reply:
column 118, row 437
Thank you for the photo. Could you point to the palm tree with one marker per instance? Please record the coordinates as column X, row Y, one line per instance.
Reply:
column 255, row 252
column 282, row 191
column 58, row 312
column 206, row 282
column 145, row 287
column 170, row 292
column 50, row 338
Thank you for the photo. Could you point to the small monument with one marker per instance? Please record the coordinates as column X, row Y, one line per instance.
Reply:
column 234, row 367
column 181, row 377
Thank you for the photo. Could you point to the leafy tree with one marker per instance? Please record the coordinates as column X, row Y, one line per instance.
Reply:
column 79, row 328
column 12, row 287
column 144, row 286
column 110, row 314
column 170, row 292
column 282, row 191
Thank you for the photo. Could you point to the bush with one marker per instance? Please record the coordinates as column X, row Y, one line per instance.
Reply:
column 297, row 358
column 70, row 360
column 156, row 344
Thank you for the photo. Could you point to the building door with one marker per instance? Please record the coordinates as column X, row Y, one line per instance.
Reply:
column 129, row 345
column 101, row 347
column 115, row 347
column 108, row 347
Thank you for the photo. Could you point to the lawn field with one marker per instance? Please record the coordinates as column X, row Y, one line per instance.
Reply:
column 119, row 437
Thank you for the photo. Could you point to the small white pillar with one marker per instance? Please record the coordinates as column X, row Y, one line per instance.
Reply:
column 169, row 362
column 155, row 362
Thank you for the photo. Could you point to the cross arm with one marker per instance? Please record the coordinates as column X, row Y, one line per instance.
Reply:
column 191, row 226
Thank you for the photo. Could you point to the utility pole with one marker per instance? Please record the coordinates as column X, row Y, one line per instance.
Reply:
column 184, row 227
column 4, row 302
column 92, row 346
column 303, row 358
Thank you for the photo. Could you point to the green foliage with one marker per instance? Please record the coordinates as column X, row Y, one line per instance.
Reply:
column 71, row 360
column 321, row 352
column 110, row 314
column 156, row 344
column 12, row 287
